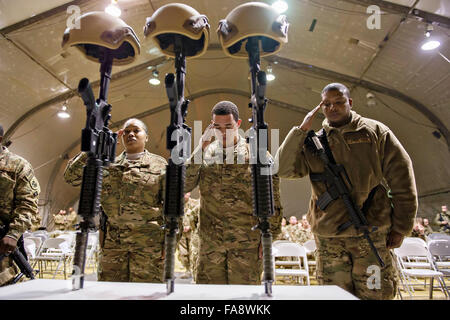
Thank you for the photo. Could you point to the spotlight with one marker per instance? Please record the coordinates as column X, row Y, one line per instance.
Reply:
column 63, row 114
column 280, row 6
column 113, row 9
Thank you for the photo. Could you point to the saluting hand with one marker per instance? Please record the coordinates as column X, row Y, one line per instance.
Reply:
column 119, row 135
column 208, row 136
column 308, row 120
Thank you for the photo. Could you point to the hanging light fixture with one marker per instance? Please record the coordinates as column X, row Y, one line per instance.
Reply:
column 269, row 75
column 430, row 43
column 113, row 9
column 371, row 102
column 280, row 6
column 154, row 80
column 63, row 114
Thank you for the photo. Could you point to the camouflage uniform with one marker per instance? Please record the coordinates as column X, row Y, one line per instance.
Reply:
column 292, row 230
column 36, row 222
column 184, row 246
column 71, row 220
column 302, row 235
column 132, row 196
column 60, row 221
column 228, row 248
column 371, row 155
column 195, row 240
column 442, row 227
column 284, row 234
column 428, row 230
column 19, row 194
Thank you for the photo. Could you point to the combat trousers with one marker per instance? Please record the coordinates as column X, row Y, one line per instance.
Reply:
column 233, row 266
column 350, row 264
column 183, row 251
column 130, row 265
column 8, row 271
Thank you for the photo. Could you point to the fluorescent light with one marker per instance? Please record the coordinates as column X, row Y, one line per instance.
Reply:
column 154, row 81
column 430, row 45
column 280, row 6
column 113, row 9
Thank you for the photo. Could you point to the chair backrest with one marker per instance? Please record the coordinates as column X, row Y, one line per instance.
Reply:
column 37, row 241
column 289, row 249
column 276, row 242
column 310, row 245
column 41, row 234
column 411, row 249
column 53, row 243
column 440, row 248
column 69, row 237
column 415, row 240
column 30, row 247
column 438, row 236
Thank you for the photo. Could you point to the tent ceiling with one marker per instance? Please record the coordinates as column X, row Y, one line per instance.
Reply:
column 37, row 77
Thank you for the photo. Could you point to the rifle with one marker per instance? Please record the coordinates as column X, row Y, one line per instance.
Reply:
column 178, row 143
column 441, row 219
column 19, row 257
column 261, row 164
column 332, row 176
column 100, row 144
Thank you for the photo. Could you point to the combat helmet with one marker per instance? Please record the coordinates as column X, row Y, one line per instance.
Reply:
column 178, row 19
column 252, row 19
column 98, row 30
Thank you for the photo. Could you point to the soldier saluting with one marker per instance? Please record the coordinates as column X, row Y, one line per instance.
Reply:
column 372, row 157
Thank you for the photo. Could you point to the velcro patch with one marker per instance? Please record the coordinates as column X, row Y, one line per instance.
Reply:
column 357, row 137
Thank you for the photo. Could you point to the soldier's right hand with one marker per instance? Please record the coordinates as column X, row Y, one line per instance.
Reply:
column 308, row 120
column 7, row 245
column 119, row 135
column 208, row 136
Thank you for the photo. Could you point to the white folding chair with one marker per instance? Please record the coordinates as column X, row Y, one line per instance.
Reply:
column 296, row 251
column 310, row 247
column 289, row 262
column 92, row 248
column 418, row 261
column 440, row 253
column 41, row 234
column 408, row 271
column 30, row 248
column 414, row 240
column 53, row 250
column 438, row 236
